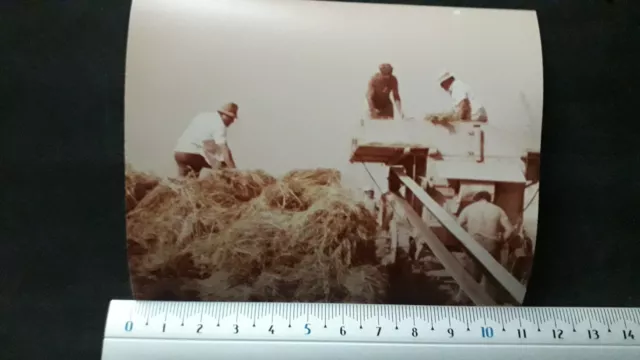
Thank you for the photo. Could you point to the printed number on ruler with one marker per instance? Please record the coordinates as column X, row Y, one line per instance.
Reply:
column 377, row 322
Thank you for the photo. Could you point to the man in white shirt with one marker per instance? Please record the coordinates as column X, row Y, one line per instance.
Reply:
column 204, row 143
column 395, row 221
column 369, row 201
column 465, row 105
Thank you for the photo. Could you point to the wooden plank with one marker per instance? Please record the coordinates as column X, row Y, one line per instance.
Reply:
column 394, row 183
column 497, row 271
column 455, row 269
column 503, row 170
column 371, row 159
column 439, row 273
column 510, row 197
column 419, row 177
column 359, row 149
column 408, row 163
column 398, row 158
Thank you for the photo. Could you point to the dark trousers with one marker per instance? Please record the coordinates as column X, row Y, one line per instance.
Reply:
column 493, row 247
column 477, row 271
column 190, row 163
column 385, row 110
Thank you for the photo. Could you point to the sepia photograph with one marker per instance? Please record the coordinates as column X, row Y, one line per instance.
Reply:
column 317, row 151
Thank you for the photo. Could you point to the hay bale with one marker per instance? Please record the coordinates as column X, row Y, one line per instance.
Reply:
column 137, row 185
column 217, row 288
column 285, row 195
column 365, row 284
column 278, row 284
column 242, row 185
column 248, row 247
column 240, row 235
column 322, row 177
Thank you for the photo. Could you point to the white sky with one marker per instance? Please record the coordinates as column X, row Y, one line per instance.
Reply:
column 299, row 69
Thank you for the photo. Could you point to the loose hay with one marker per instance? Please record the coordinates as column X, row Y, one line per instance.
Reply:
column 244, row 235
column 327, row 177
column 446, row 120
column 441, row 117
column 137, row 185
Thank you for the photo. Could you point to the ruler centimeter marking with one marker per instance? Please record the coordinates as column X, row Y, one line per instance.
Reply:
column 373, row 323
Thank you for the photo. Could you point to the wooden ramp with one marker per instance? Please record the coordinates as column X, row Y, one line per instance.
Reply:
column 512, row 286
column 404, row 146
column 451, row 264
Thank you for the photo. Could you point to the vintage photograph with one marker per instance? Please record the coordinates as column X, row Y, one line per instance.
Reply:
column 317, row 151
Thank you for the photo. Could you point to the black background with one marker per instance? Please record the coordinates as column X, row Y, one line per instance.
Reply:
column 62, row 248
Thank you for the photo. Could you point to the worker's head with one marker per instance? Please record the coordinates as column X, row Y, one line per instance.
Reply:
column 228, row 113
column 369, row 192
column 386, row 70
column 445, row 80
column 482, row 195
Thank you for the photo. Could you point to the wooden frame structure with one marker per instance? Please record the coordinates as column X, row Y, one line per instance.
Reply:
column 493, row 268
column 408, row 168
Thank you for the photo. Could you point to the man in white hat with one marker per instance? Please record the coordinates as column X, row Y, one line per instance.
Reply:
column 204, row 143
column 379, row 90
column 369, row 200
column 395, row 221
column 465, row 105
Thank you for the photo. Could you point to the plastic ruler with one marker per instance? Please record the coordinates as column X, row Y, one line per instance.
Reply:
column 202, row 330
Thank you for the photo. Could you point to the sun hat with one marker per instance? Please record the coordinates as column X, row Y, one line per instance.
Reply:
column 230, row 109
column 445, row 75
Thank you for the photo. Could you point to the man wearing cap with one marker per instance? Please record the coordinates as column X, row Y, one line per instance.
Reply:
column 379, row 90
column 370, row 201
column 465, row 105
column 204, row 143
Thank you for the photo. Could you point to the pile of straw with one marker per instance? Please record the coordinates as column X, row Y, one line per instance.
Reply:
column 137, row 185
column 246, row 236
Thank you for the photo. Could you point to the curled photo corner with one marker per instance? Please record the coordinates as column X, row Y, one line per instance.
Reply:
column 332, row 152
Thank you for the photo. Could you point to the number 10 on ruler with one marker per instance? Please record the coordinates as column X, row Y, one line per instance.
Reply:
column 487, row 332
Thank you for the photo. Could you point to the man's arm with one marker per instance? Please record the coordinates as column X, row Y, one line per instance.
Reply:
column 463, row 110
column 227, row 156
column 462, row 105
column 219, row 136
column 462, row 219
column 396, row 96
column 211, row 148
column 506, row 225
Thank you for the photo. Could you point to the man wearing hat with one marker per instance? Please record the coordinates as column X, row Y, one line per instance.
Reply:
column 466, row 106
column 379, row 90
column 204, row 143
column 370, row 201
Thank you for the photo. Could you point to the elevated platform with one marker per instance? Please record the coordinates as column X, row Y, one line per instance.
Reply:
column 511, row 170
column 384, row 153
column 382, row 140
column 386, row 141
